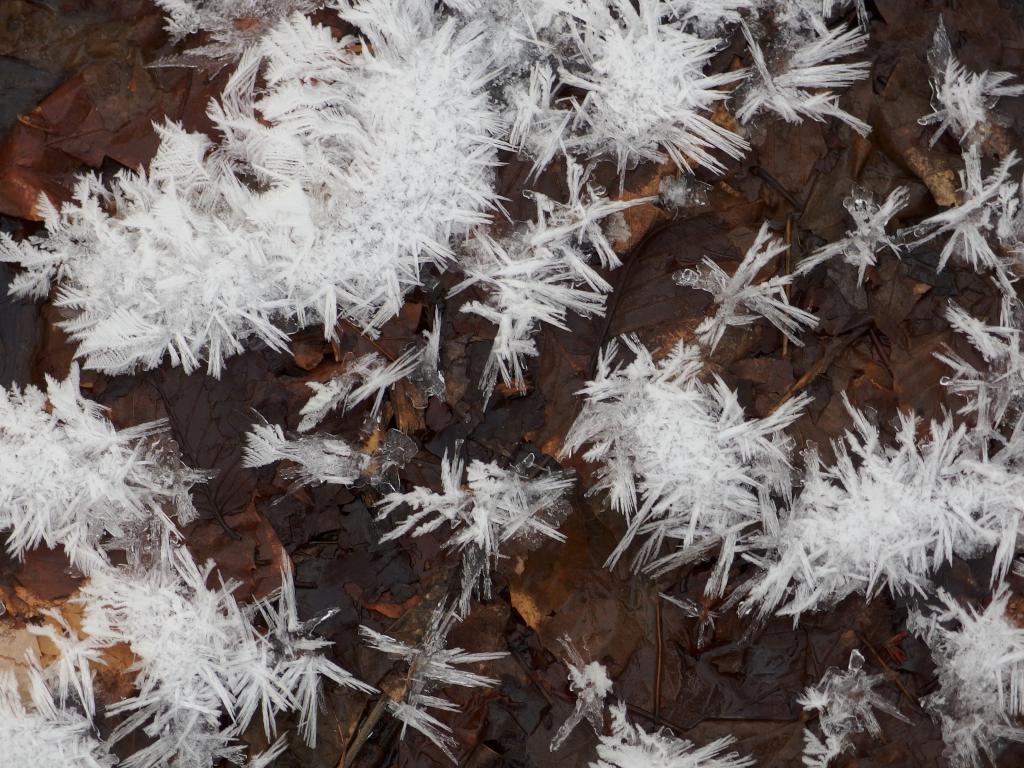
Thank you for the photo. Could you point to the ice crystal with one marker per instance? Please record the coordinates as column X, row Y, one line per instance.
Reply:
column 47, row 733
column 676, row 192
column 69, row 478
column 678, row 458
column 886, row 517
column 994, row 395
column 705, row 616
column 393, row 142
column 278, row 225
column 829, row 7
column 232, row 25
column 524, row 287
column 76, row 656
column 314, row 459
column 428, row 375
column 541, row 273
column 962, row 101
column 630, row 746
column 977, row 218
column 202, row 668
column 738, row 292
column 979, row 659
column 494, row 506
column 801, row 85
column 647, row 96
column 591, row 685
column 364, row 377
column 844, row 702
column 709, row 17
column 861, row 244
column 294, row 654
column 165, row 263
column 431, row 665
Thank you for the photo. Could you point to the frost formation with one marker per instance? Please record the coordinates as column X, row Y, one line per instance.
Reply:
column 630, row 746
column 861, row 245
column 678, row 457
column 979, row 657
column 886, row 518
column 431, row 665
column 738, row 292
column 69, row 478
column 591, row 685
column 844, row 702
column 962, row 100
column 493, row 507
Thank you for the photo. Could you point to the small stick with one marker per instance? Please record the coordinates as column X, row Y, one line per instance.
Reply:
column 891, row 676
column 823, row 363
column 658, row 662
column 348, row 756
column 788, row 269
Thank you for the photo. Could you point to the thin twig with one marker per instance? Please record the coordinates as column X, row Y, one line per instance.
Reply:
column 822, row 363
column 890, row 675
column 657, row 662
column 775, row 184
column 351, row 750
column 787, row 270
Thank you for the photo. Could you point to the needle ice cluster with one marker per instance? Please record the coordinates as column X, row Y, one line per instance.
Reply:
column 392, row 137
column 678, row 457
column 313, row 459
column 710, row 17
column 69, row 478
column 202, row 669
column 886, row 517
column 46, row 733
column 985, row 215
column 738, row 292
column 176, row 262
column 799, row 17
column 591, row 685
column 431, row 665
column 541, row 272
column 702, row 613
column 962, row 100
column 495, row 506
column 647, row 96
column 845, row 704
column 70, row 677
column 630, row 746
column 364, row 377
column 232, row 25
column 995, row 394
column 801, row 83
column 979, row 659
column 861, row 245
column 335, row 184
